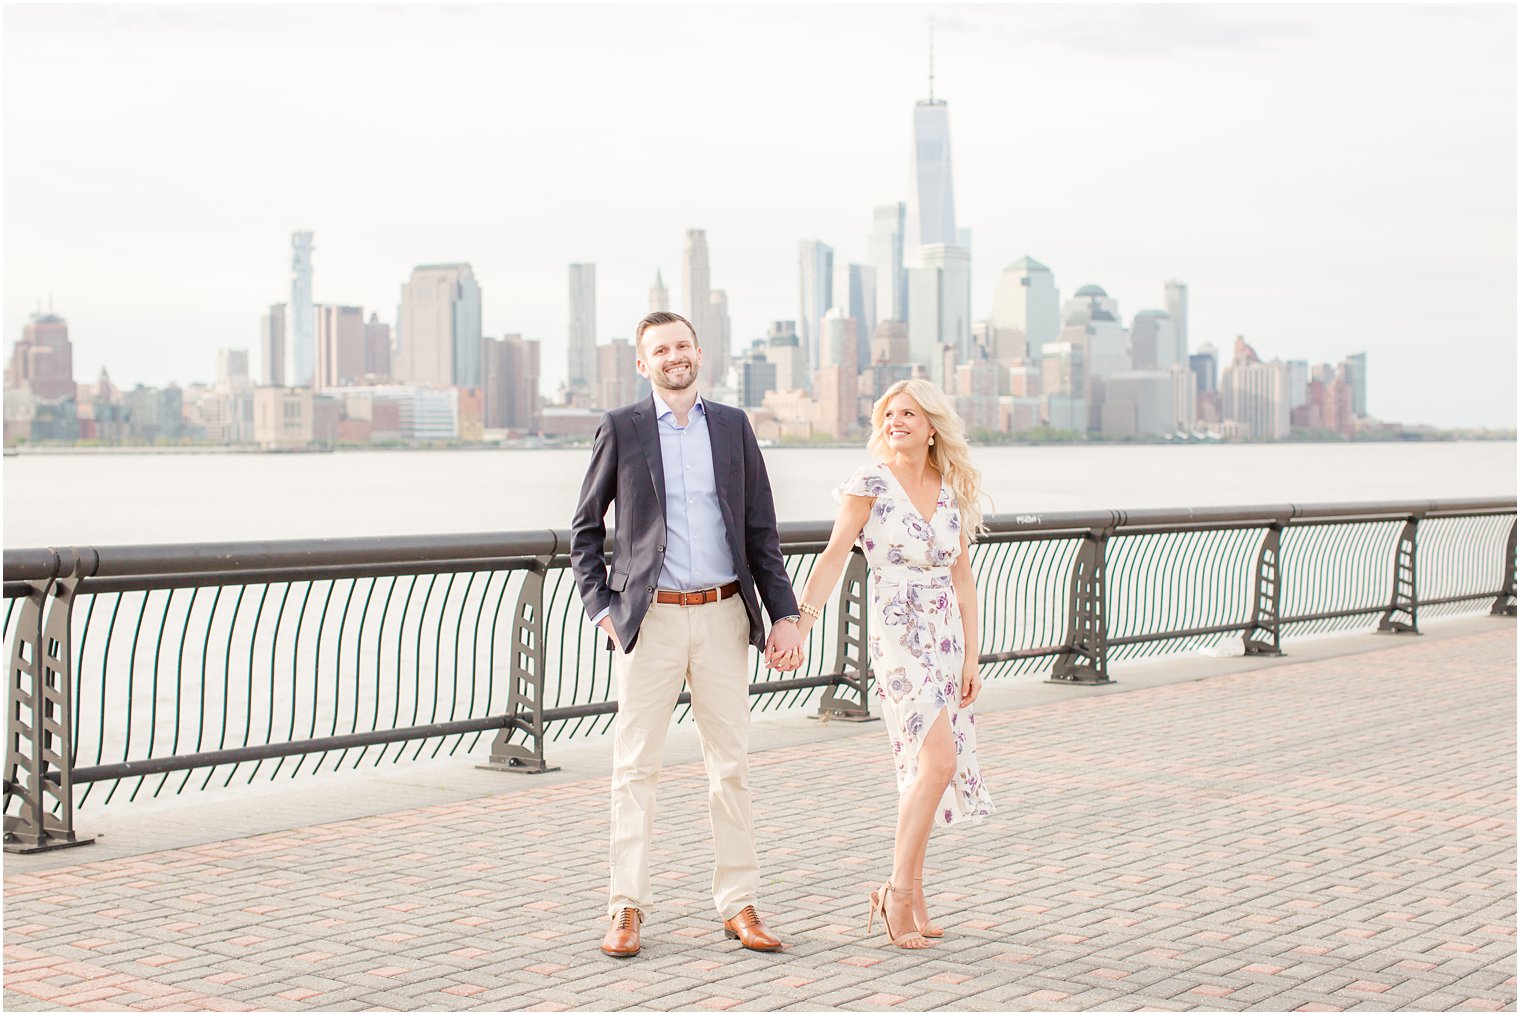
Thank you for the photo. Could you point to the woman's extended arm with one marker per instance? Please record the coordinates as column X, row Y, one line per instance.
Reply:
column 965, row 595
column 853, row 512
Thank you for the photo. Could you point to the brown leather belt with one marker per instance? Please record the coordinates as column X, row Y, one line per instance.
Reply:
column 674, row 598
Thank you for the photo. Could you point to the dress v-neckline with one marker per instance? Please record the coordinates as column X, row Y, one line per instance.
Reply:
column 939, row 495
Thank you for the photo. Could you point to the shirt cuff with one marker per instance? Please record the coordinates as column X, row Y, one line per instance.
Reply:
column 598, row 618
column 796, row 616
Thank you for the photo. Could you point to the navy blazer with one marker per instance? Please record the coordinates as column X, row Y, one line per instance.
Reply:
column 627, row 470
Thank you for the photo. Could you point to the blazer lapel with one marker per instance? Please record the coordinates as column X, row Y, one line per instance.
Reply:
column 648, row 428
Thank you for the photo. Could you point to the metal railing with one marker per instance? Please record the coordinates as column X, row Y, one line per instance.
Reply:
column 153, row 669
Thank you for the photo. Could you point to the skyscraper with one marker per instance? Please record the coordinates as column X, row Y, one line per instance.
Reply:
column 886, row 256
column 582, row 376
column 377, row 349
column 659, row 296
column 340, row 347
column 1356, row 365
column 272, row 346
column 839, row 340
column 719, row 340
column 815, row 283
column 939, row 304
column 696, row 283
column 438, row 327
column 931, row 195
column 43, row 361
column 300, row 322
column 1177, row 307
column 855, row 294
column 1027, row 301
column 1153, row 341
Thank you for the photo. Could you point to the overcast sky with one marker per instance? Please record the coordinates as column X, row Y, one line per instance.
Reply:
column 1326, row 179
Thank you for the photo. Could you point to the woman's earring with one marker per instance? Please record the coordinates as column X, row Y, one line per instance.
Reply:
column 931, row 440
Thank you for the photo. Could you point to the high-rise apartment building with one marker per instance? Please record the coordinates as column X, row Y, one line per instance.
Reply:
column 377, row 349
column 617, row 380
column 438, row 327
column 939, row 304
column 300, row 323
column 886, row 255
column 272, row 346
column 1356, row 370
column 1177, row 310
column 582, row 376
column 43, row 360
column 340, row 346
column 855, row 294
column 1026, row 302
column 815, row 283
column 659, row 296
column 510, row 384
column 1256, row 394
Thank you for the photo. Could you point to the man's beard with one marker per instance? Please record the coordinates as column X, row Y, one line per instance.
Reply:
column 661, row 380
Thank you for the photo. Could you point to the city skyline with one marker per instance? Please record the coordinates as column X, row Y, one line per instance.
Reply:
column 1394, row 247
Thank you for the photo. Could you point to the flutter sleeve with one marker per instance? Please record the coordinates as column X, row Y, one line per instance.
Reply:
column 866, row 481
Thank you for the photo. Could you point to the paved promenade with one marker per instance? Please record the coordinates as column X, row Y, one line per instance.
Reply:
column 1328, row 831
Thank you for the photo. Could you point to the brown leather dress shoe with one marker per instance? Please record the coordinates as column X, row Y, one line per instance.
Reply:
column 622, row 940
column 747, row 926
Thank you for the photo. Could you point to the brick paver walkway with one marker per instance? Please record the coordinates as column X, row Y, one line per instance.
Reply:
column 1314, row 836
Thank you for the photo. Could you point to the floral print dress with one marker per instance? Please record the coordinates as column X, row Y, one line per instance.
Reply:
column 915, row 633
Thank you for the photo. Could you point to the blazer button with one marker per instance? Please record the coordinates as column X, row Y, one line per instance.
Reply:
column 659, row 549
column 648, row 588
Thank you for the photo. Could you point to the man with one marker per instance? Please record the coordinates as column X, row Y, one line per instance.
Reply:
column 696, row 552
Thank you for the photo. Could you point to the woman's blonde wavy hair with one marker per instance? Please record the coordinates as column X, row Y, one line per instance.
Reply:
column 950, row 454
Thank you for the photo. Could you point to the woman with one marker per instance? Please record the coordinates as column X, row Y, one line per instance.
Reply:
column 915, row 512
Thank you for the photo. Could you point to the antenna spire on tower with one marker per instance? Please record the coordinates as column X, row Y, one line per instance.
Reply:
column 931, row 59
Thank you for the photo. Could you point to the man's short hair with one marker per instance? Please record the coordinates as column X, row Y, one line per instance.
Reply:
column 655, row 319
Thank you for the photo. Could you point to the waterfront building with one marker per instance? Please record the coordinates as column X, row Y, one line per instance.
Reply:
column 1205, row 366
column 617, row 379
column 272, row 346
column 1256, row 394
column 939, row 303
column 885, row 248
column 1027, row 308
column 1139, row 403
column 1356, row 376
column 510, row 384
column 839, row 339
column 300, row 323
column 815, row 282
column 340, row 346
column 1153, row 341
column 377, row 350
column 42, row 361
column 783, row 348
column 855, row 293
column 583, row 376
column 438, row 338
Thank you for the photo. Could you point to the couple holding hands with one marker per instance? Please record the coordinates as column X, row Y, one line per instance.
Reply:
column 696, row 554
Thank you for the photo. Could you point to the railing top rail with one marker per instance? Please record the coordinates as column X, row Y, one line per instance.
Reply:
column 37, row 563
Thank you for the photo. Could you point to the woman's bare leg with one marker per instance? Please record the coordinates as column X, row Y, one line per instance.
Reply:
column 915, row 818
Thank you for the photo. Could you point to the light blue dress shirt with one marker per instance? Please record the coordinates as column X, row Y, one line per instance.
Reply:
column 696, row 542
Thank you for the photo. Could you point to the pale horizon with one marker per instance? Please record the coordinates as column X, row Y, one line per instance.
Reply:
column 1326, row 180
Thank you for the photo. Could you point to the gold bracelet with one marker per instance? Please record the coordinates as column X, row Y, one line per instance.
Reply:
column 810, row 610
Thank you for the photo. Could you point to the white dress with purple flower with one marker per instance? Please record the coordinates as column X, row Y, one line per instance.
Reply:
column 915, row 632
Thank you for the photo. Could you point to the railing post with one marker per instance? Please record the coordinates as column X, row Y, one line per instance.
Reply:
column 1265, row 637
column 1504, row 602
column 40, row 746
column 525, row 701
column 849, row 698
column 1405, row 600
column 1085, row 657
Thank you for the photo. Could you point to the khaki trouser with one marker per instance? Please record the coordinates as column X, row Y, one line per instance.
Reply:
column 705, row 647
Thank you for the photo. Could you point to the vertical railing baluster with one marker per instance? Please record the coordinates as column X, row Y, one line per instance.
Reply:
column 525, row 699
column 1084, row 660
column 39, row 745
column 1265, row 636
column 849, row 698
column 1404, row 603
column 1504, row 602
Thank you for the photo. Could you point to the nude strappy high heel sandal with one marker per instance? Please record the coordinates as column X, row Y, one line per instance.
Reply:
column 879, row 904
column 929, row 929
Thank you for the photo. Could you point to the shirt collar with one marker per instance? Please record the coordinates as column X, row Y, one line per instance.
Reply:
column 661, row 410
